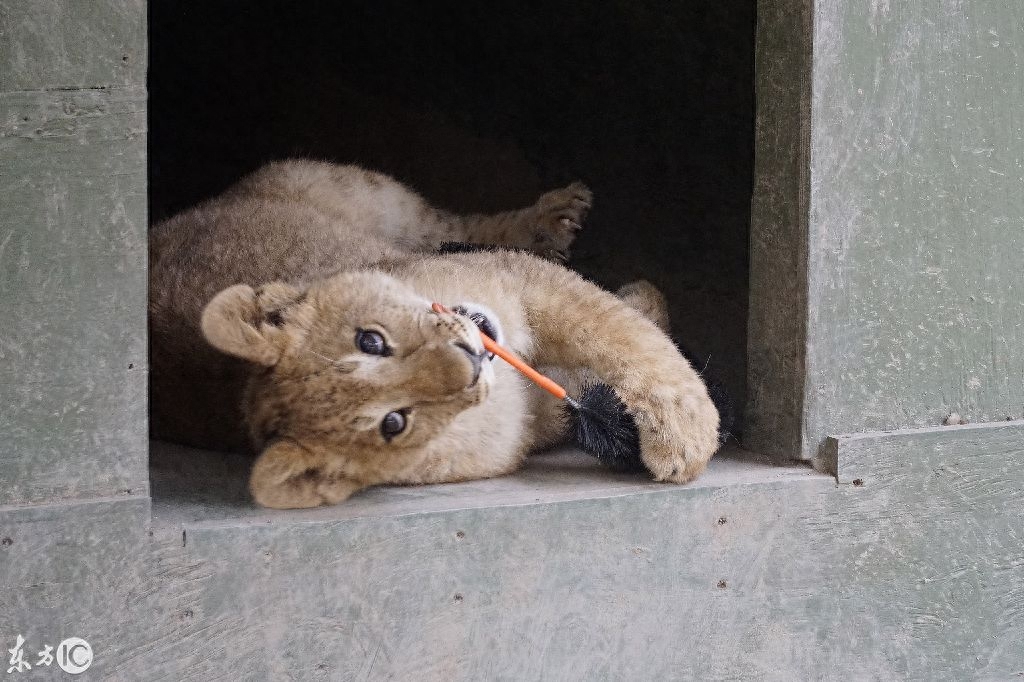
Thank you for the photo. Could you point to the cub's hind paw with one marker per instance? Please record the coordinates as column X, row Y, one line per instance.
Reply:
column 648, row 300
column 559, row 217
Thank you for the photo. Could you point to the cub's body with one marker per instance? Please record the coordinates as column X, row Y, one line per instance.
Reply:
column 256, row 298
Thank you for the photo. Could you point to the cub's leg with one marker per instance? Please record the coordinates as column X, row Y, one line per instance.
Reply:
column 363, row 204
column 549, row 423
column 576, row 325
column 547, row 228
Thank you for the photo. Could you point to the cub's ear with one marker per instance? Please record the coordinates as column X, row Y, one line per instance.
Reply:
column 256, row 324
column 287, row 476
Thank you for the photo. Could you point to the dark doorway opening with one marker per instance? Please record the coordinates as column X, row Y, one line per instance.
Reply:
column 482, row 107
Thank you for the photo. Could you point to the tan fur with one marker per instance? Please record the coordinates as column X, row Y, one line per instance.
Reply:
column 256, row 298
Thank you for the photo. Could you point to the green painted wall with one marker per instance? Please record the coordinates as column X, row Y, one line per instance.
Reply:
column 72, row 250
column 909, row 567
column 777, row 317
column 910, row 211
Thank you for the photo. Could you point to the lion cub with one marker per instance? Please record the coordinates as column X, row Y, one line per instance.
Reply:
column 291, row 316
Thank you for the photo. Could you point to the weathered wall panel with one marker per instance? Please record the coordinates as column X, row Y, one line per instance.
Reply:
column 72, row 251
column 909, row 208
column 69, row 570
column 914, row 573
column 910, row 568
column 916, row 216
column 72, row 280
column 777, row 320
column 48, row 44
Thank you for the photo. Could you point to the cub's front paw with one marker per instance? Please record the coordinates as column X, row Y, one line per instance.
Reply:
column 559, row 217
column 678, row 432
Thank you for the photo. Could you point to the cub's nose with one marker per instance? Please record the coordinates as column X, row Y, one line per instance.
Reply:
column 476, row 359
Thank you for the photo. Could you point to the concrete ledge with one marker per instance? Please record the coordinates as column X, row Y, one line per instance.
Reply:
column 563, row 571
column 69, row 569
column 196, row 488
column 567, row 572
column 866, row 457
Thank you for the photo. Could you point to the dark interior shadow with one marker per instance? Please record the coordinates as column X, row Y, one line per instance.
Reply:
column 481, row 107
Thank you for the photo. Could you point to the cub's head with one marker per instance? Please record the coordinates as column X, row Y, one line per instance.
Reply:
column 353, row 377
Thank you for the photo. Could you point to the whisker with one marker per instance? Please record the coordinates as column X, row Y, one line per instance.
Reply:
column 339, row 364
column 324, row 357
column 343, row 366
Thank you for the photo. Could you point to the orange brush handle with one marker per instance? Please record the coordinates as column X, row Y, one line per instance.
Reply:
column 530, row 373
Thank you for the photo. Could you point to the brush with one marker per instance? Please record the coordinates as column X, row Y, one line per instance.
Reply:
column 597, row 420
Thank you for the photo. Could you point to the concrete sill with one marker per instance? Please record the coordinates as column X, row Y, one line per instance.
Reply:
column 200, row 489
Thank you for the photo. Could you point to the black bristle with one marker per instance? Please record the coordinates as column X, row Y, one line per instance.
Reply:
column 726, row 411
column 602, row 427
column 719, row 396
column 465, row 247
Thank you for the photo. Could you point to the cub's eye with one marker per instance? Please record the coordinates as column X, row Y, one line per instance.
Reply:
column 392, row 425
column 371, row 343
